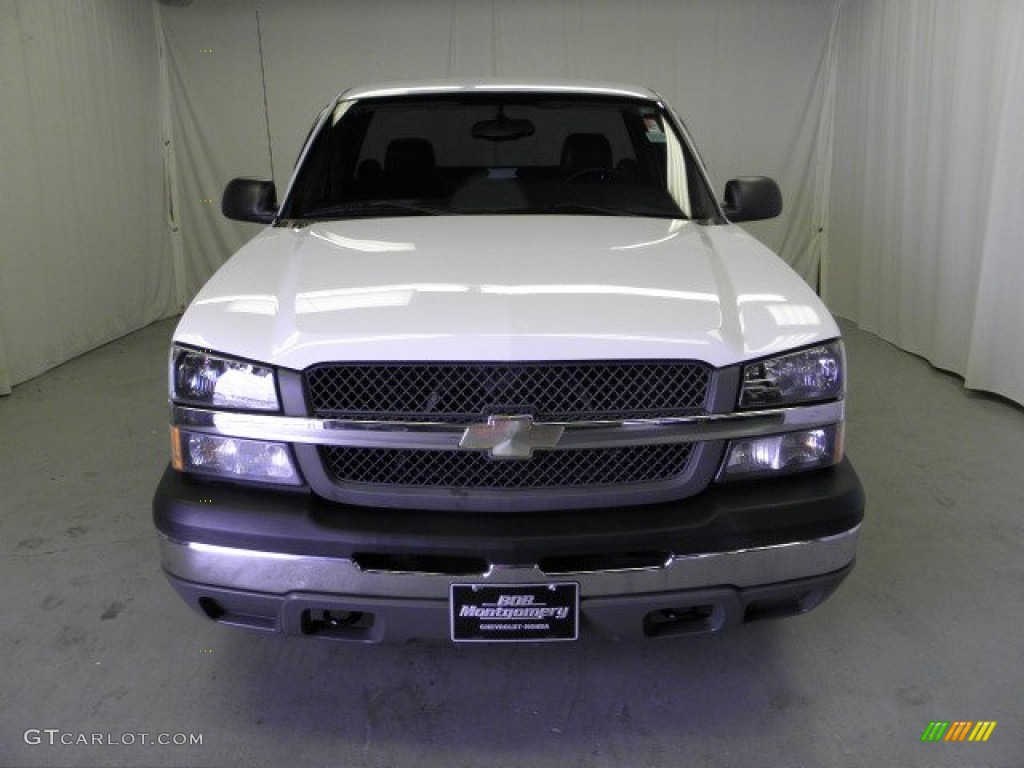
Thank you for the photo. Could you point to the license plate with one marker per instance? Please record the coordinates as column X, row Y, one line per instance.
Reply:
column 514, row 613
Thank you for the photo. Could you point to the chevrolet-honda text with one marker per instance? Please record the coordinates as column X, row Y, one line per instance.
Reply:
column 501, row 367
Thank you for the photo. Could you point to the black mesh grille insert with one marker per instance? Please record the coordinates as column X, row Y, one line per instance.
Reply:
column 460, row 392
column 547, row 469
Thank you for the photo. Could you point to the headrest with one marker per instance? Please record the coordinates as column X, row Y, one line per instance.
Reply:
column 586, row 150
column 409, row 157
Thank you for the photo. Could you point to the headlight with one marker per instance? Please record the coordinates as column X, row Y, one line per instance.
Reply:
column 202, row 378
column 809, row 375
column 233, row 458
column 782, row 454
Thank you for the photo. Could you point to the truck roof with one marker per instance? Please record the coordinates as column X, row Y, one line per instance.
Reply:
column 520, row 85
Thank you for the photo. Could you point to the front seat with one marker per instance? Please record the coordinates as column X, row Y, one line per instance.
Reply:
column 409, row 168
column 586, row 152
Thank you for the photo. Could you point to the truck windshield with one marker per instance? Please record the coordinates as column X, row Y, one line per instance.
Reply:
column 498, row 153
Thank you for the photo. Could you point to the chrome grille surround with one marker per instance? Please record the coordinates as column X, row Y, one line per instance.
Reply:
column 453, row 393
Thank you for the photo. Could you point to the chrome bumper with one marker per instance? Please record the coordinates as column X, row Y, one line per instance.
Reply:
column 281, row 574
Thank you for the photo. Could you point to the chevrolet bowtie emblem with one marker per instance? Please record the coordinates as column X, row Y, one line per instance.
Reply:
column 510, row 437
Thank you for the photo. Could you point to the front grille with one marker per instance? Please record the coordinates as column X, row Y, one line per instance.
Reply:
column 465, row 392
column 547, row 469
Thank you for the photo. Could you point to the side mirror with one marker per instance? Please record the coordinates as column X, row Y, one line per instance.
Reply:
column 752, row 198
column 250, row 200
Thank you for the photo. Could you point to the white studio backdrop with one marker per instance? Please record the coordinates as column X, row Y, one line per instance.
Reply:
column 84, row 250
column 927, row 232
column 122, row 120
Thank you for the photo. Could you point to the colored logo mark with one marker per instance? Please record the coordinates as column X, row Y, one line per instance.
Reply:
column 958, row 730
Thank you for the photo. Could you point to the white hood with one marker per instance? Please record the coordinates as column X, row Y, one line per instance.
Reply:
column 504, row 288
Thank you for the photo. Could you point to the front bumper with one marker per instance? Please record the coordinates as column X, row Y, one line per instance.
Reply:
column 287, row 561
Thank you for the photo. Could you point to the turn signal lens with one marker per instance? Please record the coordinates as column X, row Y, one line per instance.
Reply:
column 233, row 458
column 783, row 454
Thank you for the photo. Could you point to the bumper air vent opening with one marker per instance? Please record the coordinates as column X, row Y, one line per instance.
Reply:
column 422, row 564
column 211, row 608
column 618, row 561
column 758, row 610
column 214, row 610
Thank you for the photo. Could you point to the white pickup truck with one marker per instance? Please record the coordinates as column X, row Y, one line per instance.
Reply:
column 501, row 368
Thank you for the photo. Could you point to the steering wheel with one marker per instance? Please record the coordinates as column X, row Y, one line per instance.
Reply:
column 595, row 174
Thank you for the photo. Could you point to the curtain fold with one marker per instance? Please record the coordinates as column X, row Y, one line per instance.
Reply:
column 84, row 256
column 924, row 237
column 995, row 360
column 217, row 126
column 5, row 374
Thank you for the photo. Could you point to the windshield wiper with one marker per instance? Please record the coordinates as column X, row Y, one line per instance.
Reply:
column 376, row 208
column 412, row 207
column 605, row 210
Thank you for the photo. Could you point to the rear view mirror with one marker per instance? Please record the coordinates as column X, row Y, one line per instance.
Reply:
column 503, row 128
column 752, row 198
column 250, row 200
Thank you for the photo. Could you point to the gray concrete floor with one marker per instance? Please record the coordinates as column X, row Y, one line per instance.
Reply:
column 927, row 628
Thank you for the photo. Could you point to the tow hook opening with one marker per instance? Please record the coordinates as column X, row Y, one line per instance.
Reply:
column 688, row 620
column 335, row 622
